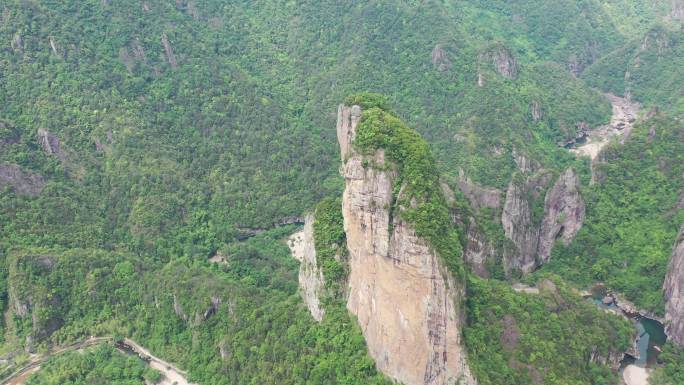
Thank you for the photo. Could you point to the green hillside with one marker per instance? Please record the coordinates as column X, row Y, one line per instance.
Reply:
column 138, row 139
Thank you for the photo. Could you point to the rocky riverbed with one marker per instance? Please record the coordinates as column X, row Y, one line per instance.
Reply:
column 593, row 141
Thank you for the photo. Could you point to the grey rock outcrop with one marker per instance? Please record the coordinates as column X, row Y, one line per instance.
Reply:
column 611, row 358
column 524, row 163
column 536, row 110
column 51, row 144
column 478, row 250
column 564, row 212
column 517, row 221
column 407, row 305
column 478, row 196
column 311, row 282
column 563, row 216
column 29, row 302
column 440, row 59
column 17, row 44
column 677, row 10
column 674, row 292
column 23, row 182
column 503, row 61
column 169, row 51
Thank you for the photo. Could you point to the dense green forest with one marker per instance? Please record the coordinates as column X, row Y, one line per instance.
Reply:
column 633, row 217
column 520, row 339
column 649, row 69
column 140, row 138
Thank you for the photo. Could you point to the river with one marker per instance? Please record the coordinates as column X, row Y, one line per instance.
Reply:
column 650, row 339
column 593, row 141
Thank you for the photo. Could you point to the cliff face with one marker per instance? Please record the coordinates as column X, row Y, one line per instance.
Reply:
column 407, row 309
column 563, row 216
column 478, row 250
column 674, row 292
column 311, row 281
column 564, row 213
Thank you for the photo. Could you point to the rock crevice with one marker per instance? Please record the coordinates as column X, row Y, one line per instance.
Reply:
column 563, row 215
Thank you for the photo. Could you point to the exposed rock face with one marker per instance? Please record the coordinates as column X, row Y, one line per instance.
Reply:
column 407, row 309
column 478, row 196
column 311, row 282
column 517, row 223
column 677, row 10
column 535, row 108
column 674, row 292
column 169, row 51
column 524, row 163
column 564, row 212
column 440, row 59
column 478, row 250
column 612, row 359
column 503, row 60
column 23, row 182
column 17, row 43
column 51, row 144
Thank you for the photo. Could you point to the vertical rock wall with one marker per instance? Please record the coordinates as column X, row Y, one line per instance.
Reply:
column 563, row 216
column 674, row 292
column 406, row 305
column 311, row 283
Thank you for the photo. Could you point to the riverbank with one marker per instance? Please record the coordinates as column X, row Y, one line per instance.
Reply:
column 635, row 375
column 621, row 123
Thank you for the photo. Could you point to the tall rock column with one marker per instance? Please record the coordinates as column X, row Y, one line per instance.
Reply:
column 404, row 300
column 674, row 292
column 563, row 216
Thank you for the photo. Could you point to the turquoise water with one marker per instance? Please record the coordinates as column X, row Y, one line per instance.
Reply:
column 651, row 336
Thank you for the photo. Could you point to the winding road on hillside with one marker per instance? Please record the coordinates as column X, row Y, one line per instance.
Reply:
column 171, row 374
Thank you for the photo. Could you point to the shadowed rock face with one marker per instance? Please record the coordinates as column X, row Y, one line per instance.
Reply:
column 405, row 303
column 564, row 212
column 478, row 250
column 311, row 281
column 23, row 182
column 674, row 292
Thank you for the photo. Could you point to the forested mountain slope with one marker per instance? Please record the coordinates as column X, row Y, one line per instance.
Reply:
column 154, row 155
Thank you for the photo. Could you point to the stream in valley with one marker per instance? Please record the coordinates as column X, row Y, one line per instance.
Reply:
column 590, row 143
column 650, row 333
